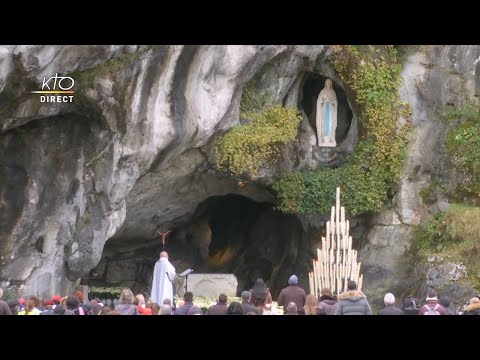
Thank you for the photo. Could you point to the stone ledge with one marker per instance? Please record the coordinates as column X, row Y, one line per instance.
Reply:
column 212, row 285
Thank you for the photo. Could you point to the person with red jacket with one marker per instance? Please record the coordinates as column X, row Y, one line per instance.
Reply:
column 141, row 305
column 432, row 305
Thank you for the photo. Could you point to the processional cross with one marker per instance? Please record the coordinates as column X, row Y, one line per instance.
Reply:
column 164, row 235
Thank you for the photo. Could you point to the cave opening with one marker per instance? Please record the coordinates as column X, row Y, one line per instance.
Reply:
column 226, row 234
column 220, row 229
column 234, row 234
column 313, row 83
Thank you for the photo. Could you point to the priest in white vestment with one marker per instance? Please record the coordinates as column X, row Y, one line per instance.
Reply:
column 163, row 277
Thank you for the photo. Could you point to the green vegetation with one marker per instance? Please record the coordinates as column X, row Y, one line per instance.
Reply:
column 454, row 235
column 12, row 294
column 433, row 235
column 428, row 193
column 109, row 67
column 251, row 101
column 105, row 292
column 470, row 112
column 373, row 73
column 246, row 148
column 463, row 149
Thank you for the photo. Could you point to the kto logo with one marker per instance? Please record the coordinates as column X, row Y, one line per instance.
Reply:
column 57, row 88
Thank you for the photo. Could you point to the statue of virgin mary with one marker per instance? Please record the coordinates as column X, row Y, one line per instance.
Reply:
column 326, row 118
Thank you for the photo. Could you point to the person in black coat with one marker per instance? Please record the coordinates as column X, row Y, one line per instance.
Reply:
column 445, row 302
column 246, row 306
column 390, row 308
column 13, row 305
column 410, row 305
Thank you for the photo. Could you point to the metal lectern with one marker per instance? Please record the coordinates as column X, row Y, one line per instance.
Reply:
column 185, row 274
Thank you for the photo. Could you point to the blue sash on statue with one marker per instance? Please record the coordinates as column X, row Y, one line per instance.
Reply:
column 326, row 120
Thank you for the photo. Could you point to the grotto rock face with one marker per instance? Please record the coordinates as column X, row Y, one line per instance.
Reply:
column 229, row 234
column 133, row 153
column 44, row 172
column 433, row 78
column 133, row 145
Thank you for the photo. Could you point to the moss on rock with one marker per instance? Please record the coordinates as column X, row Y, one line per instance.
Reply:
column 373, row 74
column 463, row 152
column 455, row 236
column 246, row 148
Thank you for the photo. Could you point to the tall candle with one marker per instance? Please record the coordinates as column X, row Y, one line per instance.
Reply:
column 337, row 212
column 328, row 230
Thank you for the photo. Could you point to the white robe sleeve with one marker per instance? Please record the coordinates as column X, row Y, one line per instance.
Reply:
column 171, row 272
column 155, row 283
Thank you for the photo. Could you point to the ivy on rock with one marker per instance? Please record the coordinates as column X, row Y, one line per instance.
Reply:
column 246, row 148
column 373, row 74
column 463, row 144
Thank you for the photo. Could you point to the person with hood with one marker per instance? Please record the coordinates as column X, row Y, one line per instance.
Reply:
column 473, row 308
column 445, row 302
column 432, row 307
column 328, row 302
column 260, row 297
column 410, row 305
column 353, row 302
